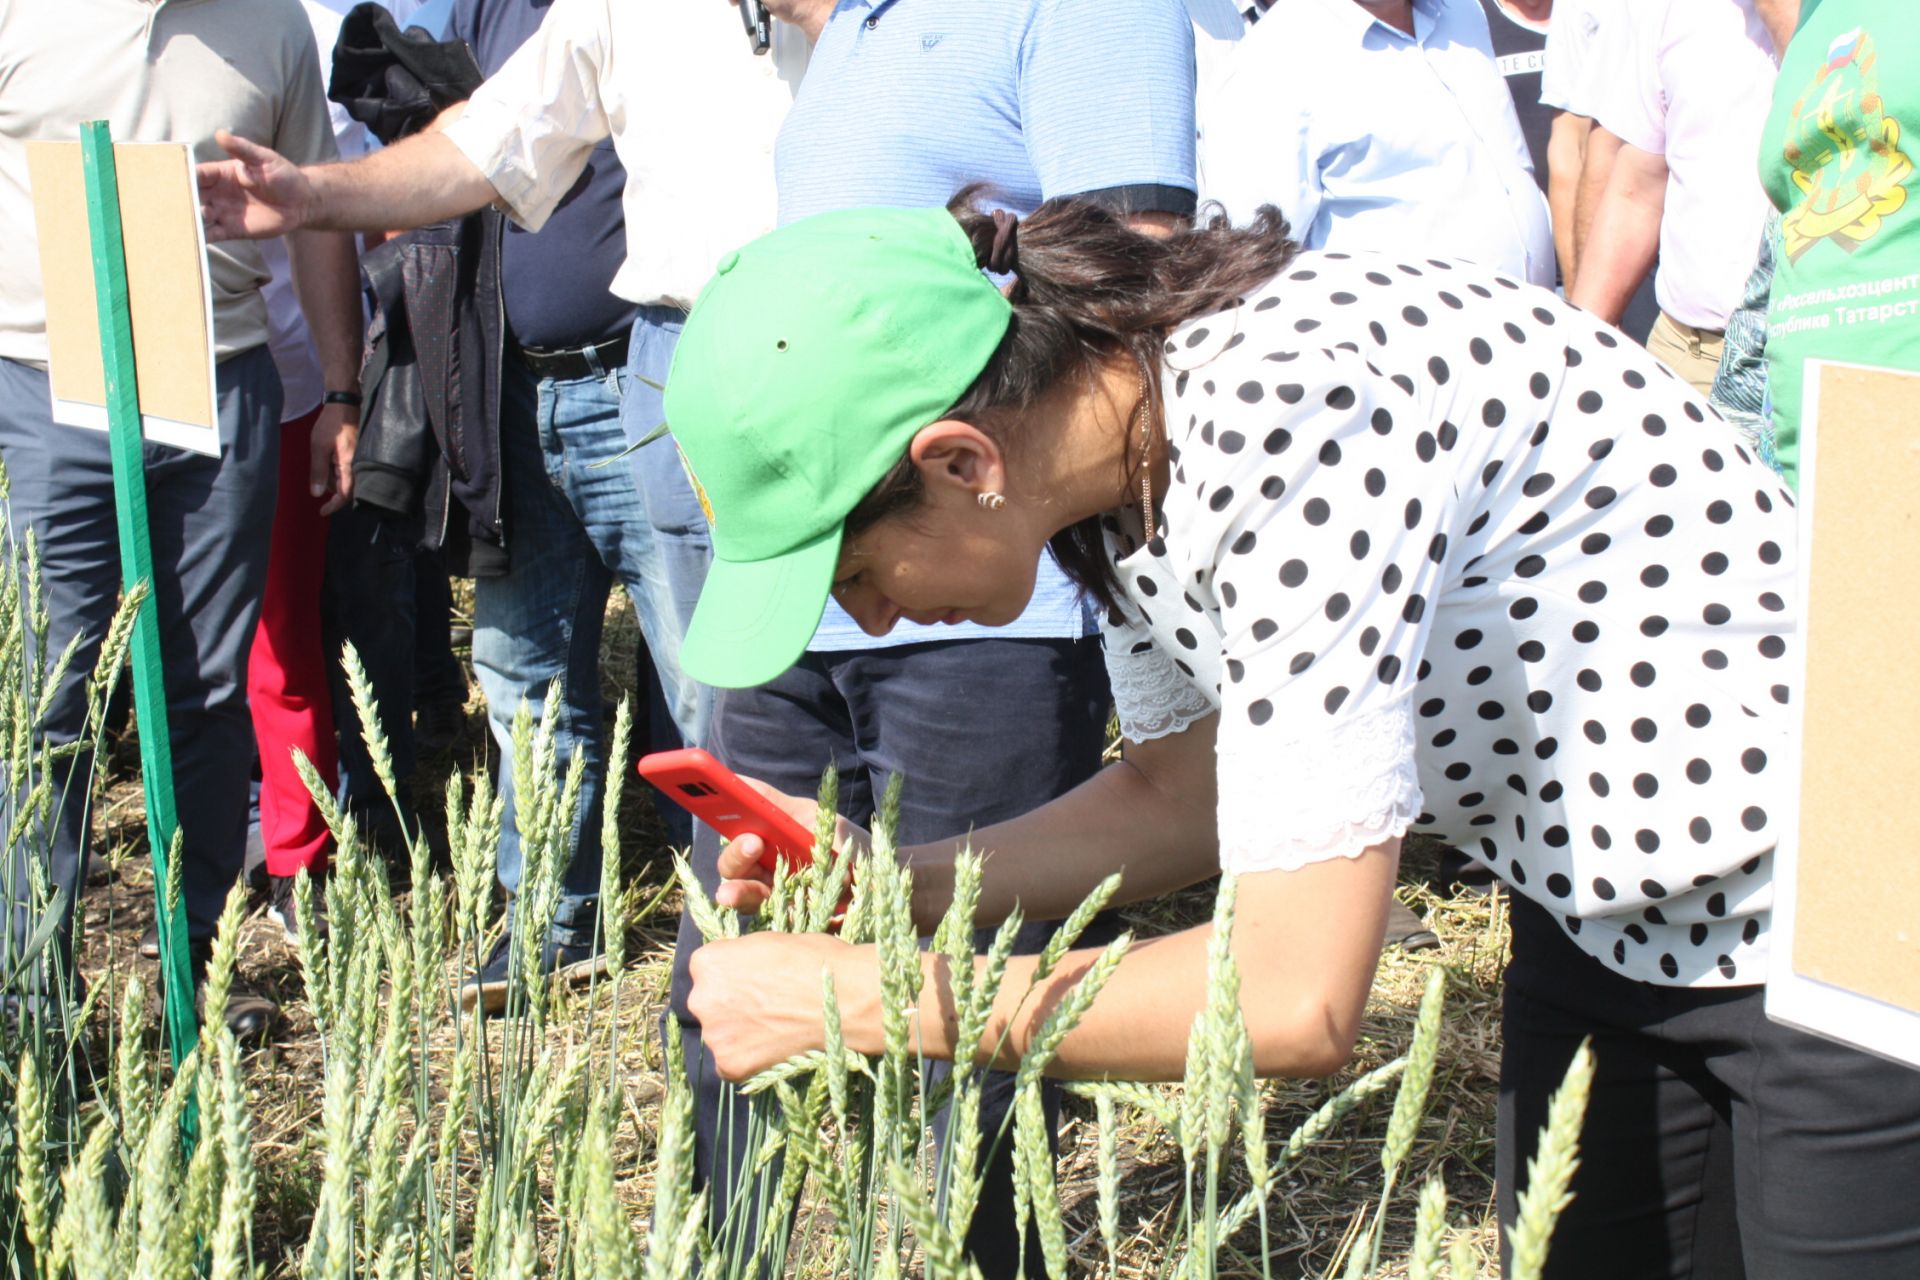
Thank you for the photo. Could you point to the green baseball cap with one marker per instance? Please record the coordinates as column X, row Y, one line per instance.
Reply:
column 806, row 367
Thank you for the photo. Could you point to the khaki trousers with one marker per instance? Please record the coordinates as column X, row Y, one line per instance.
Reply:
column 1692, row 353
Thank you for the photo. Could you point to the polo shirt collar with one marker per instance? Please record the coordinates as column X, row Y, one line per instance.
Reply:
column 1357, row 21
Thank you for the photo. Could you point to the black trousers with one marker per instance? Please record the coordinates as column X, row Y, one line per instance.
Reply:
column 1717, row 1143
column 981, row 731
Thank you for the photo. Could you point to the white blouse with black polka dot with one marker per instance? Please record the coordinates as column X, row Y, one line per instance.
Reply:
column 1448, row 554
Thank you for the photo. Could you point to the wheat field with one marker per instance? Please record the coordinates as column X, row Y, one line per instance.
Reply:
column 380, row 1131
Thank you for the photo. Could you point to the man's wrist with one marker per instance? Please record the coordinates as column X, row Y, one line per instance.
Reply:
column 313, row 215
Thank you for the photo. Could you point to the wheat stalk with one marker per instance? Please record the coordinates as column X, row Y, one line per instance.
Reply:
column 962, row 1165
column 30, row 1147
column 613, row 923
column 676, row 1208
column 1404, row 1124
column 84, row 1237
column 712, row 923
column 1429, row 1229
column 1066, row 1014
column 226, row 949
column 1074, row 925
column 159, row 1249
column 1311, row 1130
column 1550, row 1172
column 606, row 1228
column 367, row 707
column 1462, row 1259
column 197, row 1202
column 1142, row 1098
column 232, row 1232
column 1107, row 1179
column 1411, row 1104
column 945, row 1259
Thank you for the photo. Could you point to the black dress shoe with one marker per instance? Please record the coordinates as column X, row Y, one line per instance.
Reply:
column 1408, row 929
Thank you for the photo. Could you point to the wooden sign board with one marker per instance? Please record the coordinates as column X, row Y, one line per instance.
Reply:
column 167, row 284
column 1846, row 936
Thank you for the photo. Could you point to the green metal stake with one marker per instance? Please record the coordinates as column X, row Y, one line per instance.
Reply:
column 136, row 566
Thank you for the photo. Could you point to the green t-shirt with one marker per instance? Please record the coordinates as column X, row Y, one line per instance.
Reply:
column 1837, row 159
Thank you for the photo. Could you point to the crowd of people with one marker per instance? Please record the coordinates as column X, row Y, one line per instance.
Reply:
column 1012, row 400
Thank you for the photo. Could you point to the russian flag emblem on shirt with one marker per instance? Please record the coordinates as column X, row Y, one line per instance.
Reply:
column 1843, row 49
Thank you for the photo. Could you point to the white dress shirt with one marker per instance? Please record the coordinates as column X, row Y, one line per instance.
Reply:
column 1692, row 80
column 692, row 112
column 1370, row 139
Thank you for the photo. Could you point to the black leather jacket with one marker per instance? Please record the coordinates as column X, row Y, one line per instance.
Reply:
column 429, row 451
column 430, row 428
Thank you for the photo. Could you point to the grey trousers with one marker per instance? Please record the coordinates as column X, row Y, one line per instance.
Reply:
column 211, row 521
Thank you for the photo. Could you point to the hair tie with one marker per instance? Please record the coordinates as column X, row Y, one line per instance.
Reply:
column 1004, row 255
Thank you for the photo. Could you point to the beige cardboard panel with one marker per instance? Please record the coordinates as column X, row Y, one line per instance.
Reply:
column 166, row 278
column 66, row 268
column 1858, row 887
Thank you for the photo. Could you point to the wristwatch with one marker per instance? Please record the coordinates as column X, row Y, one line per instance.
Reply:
column 343, row 397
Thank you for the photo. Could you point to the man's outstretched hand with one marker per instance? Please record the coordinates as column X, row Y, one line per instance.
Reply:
column 256, row 195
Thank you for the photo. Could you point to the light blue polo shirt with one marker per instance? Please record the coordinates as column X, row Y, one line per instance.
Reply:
column 907, row 101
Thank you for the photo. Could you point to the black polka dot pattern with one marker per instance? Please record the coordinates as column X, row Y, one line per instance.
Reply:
column 1451, row 514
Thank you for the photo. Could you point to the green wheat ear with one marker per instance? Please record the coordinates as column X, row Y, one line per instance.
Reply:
column 30, row 1141
column 1550, row 1171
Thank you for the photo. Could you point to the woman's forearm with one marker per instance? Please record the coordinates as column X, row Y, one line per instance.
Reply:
column 1149, row 817
column 1136, row 1030
column 1310, row 938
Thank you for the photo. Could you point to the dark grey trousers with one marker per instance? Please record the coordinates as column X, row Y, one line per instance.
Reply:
column 210, row 522
column 981, row 731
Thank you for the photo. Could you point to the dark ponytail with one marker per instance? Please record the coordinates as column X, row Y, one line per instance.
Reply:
column 1088, row 289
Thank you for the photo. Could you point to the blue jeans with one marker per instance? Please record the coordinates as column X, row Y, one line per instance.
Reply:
column 209, row 520
column 577, row 519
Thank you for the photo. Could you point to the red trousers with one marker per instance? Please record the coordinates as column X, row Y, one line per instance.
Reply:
column 287, row 670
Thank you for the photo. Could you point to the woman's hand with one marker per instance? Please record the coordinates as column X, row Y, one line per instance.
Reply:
column 744, row 883
column 758, row 998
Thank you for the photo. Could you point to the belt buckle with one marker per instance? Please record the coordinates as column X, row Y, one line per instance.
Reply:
column 577, row 361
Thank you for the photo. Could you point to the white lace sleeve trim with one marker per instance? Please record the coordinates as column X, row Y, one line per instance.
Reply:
column 1287, row 804
column 1154, row 698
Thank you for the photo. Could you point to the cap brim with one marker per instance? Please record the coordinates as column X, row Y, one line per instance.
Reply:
column 755, row 618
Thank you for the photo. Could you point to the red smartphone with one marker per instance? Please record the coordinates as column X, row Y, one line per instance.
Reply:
column 715, row 794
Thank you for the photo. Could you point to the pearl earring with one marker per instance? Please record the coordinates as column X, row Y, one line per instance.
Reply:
column 991, row 500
